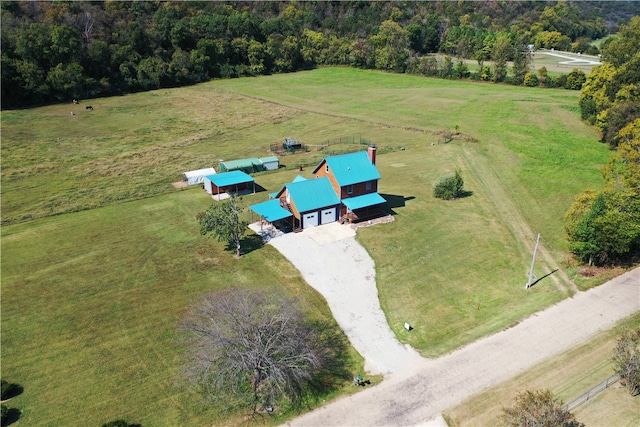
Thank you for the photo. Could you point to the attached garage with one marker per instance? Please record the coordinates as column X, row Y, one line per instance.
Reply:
column 328, row 216
column 309, row 220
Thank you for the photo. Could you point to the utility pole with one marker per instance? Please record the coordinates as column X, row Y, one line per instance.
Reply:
column 533, row 261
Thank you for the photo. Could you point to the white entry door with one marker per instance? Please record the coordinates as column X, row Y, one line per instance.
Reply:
column 310, row 220
column 328, row 216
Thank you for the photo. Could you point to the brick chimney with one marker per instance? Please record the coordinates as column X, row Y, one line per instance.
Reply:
column 371, row 151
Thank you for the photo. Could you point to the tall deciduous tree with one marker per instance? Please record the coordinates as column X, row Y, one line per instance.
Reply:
column 250, row 349
column 223, row 221
column 500, row 55
column 539, row 408
column 626, row 359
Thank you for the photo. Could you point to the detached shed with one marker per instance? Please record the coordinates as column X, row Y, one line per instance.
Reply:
column 197, row 176
column 234, row 181
column 270, row 163
column 245, row 165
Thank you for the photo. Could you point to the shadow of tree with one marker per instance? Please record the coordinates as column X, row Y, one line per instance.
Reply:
column 12, row 415
column 10, row 390
column 333, row 348
column 248, row 244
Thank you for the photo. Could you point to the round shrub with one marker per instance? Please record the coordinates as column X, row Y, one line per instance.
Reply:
column 449, row 187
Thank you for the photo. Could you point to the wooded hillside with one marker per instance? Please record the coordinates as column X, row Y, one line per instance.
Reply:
column 58, row 51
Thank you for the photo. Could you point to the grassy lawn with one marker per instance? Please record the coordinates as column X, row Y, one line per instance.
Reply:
column 92, row 304
column 568, row 376
column 101, row 255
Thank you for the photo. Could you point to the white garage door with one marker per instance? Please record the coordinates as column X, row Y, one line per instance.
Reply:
column 327, row 216
column 310, row 220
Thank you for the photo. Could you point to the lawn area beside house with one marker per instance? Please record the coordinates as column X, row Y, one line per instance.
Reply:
column 101, row 254
column 92, row 304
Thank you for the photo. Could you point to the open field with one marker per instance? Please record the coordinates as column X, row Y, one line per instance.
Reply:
column 567, row 376
column 556, row 62
column 93, row 287
column 92, row 304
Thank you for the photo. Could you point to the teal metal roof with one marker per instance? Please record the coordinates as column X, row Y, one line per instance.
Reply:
column 226, row 179
column 271, row 210
column 312, row 194
column 351, row 168
column 296, row 179
column 363, row 201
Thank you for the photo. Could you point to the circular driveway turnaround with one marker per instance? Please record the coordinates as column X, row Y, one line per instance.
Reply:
column 415, row 396
column 333, row 263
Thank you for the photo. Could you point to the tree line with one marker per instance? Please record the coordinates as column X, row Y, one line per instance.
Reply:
column 57, row 51
column 603, row 225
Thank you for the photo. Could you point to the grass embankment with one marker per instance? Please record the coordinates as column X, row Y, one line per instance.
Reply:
column 568, row 376
column 92, row 300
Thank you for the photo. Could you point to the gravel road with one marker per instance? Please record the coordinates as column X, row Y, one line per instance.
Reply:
column 416, row 390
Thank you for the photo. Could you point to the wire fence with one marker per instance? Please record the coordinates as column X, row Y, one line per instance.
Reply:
column 592, row 392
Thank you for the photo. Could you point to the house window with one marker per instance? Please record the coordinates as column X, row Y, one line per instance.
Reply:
column 326, row 168
column 367, row 185
column 349, row 189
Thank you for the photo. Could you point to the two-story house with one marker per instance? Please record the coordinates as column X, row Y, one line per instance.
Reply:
column 345, row 186
column 354, row 178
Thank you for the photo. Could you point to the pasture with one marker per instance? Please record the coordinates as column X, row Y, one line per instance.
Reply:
column 101, row 254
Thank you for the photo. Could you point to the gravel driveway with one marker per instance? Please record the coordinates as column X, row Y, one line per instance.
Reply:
column 331, row 261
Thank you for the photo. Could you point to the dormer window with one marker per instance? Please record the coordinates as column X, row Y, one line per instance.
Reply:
column 367, row 185
column 326, row 168
column 349, row 189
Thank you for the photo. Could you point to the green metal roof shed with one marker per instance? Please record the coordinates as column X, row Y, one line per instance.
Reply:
column 249, row 165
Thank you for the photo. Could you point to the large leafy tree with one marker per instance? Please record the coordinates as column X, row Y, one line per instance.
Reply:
column 222, row 220
column 604, row 226
column 501, row 54
column 626, row 359
column 539, row 408
column 251, row 349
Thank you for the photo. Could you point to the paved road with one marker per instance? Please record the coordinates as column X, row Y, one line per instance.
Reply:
column 422, row 392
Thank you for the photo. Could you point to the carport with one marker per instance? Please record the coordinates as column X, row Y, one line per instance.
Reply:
column 271, row 211
column 233, row 181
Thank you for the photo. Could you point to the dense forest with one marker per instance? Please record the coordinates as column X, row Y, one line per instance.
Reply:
column 57, row 51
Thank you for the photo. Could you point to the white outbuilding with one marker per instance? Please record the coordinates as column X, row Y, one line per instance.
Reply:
column 197, row 176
